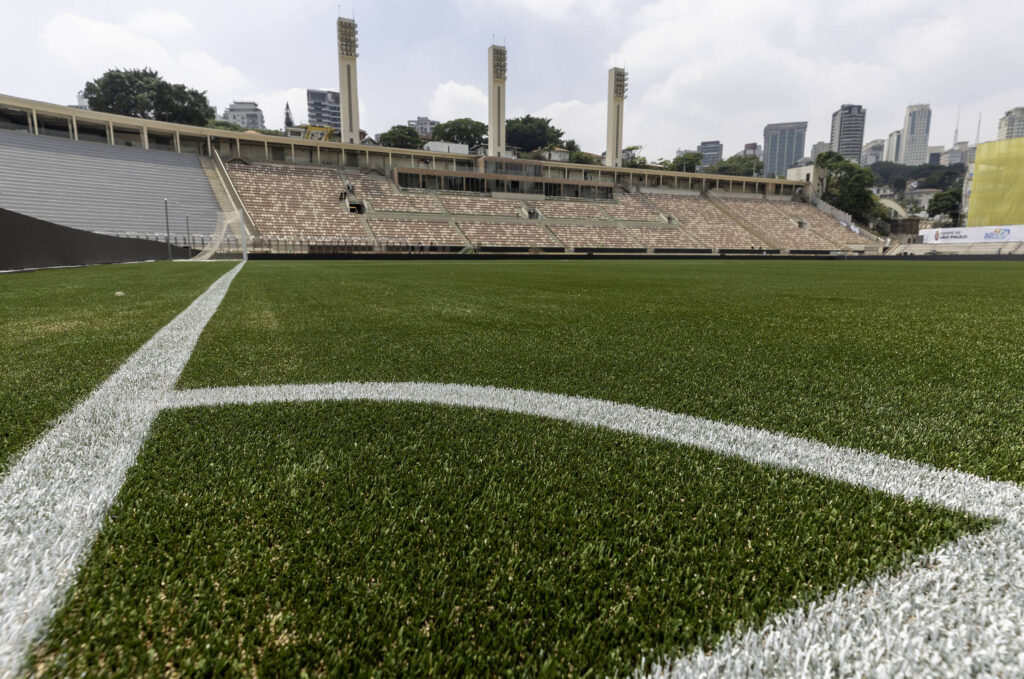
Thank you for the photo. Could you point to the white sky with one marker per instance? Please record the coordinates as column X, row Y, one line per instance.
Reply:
column 698, row 69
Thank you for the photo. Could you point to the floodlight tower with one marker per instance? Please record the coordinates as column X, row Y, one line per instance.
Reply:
column 497, row 62
column 617, row 84
column 348, row 94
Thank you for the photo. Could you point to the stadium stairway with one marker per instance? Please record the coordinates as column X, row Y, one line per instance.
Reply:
column 108, row 189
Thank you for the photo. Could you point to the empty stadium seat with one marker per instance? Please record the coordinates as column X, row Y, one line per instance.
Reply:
column 516, row 235
column 104, row 188
column 296, row 202
column 592, row 236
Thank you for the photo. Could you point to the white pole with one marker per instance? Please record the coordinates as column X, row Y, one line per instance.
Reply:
column 245, row 242
column 167, row 225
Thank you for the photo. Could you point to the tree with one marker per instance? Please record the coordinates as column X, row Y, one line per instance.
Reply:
column 848, row 186
column 461, row 131
column 400, row 137
column 529, row 133
column 142, row 93
column 738, row 166
column 578, row 155
column 288, row 120
column 631, row 157
column 947, row 203
column 225, row 125
column 686, row 162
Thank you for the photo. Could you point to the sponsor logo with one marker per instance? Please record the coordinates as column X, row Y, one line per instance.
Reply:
column 998, row 234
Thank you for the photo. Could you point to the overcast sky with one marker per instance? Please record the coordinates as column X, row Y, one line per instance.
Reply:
column 698, row 69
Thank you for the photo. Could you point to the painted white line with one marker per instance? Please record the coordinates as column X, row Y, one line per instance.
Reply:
column 911, row 480
column 958, row 611
column 53, row 500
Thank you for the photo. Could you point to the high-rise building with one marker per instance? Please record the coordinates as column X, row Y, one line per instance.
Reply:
column 818, row 148
column 1011, row 125
column 783, row 146
column 497, row 68
column 323, row 109
column 618, row 82
column 244, row 113
column 892, row 147
column 955, row 155
column 710, row 151
column 751, row 149
column 873, row 152
column 935, row 154
column 424, row 126
column 914, row 143
column 848, row 131
column 348, row 43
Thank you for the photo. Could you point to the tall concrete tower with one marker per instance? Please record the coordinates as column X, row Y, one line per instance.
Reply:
column 617, row 83
column 497, row 62
column 349, row 90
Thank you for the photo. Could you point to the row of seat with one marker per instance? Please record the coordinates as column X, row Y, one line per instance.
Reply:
column 308, row 203
column 295, row 202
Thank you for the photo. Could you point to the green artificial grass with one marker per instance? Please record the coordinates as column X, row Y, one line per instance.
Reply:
column 922, row 360
column 63, row 332
column 356, row 539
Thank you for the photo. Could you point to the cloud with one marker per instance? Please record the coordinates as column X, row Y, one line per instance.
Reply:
column 551, row 10
column 88, row 47
column 584, row 122
column 456, row 100
column 157, row 23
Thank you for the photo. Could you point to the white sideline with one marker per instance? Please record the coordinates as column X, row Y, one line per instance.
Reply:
column 54, row 498
column 958, row 611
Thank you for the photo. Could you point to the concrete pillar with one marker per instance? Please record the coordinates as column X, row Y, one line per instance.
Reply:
column 145, row 137
column 34, row 124
column 74, row 128
column 266, row 150
column 617, row 84
column 348, row 83
column 177, row 142
column 497, row 67
column 110, row 133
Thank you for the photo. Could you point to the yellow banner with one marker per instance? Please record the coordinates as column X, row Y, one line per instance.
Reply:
column 997, row 190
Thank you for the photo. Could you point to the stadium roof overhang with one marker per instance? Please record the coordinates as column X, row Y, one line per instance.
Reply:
column 76, row 123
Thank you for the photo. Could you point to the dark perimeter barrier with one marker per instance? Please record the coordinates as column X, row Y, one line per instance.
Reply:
column 30, row 243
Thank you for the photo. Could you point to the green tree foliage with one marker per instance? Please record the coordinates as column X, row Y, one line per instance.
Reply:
column 947, row 203
column 461, row 131
column 233, row 127
column 578, row 155
column 142, row 93
column 631, row 157
column 927, row 176
column 529, row 133
column 401, row 137
column 686, row 162
column 738, row 165
column 288, row 120
column 847, row 186
column 225, row 125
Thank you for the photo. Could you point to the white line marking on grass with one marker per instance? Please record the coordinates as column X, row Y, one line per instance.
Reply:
column 53, row 500
column 957, row 611
column 911, row 480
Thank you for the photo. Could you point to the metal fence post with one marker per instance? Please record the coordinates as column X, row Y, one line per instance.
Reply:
column 167, row 225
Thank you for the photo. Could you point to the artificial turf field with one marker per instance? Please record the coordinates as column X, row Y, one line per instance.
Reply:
column 395, row 538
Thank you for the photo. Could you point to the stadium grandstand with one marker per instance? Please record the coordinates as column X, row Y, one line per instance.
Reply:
column 111, row 174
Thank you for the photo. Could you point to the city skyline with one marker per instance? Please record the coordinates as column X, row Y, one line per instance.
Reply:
column 703, row 94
